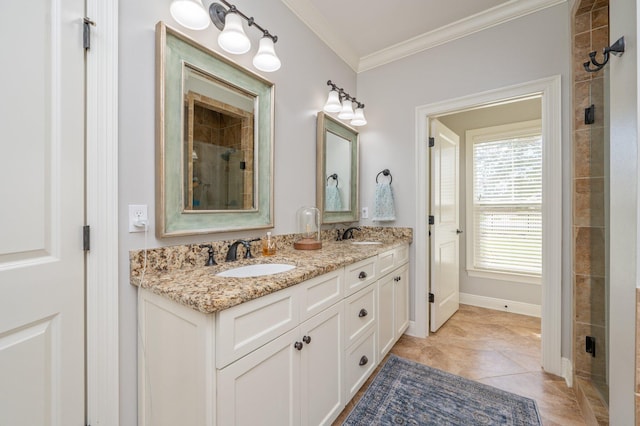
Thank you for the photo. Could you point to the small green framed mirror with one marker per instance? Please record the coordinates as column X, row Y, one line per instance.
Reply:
column 336, row 171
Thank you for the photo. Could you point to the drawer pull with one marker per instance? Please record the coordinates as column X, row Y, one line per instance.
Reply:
column 364, row 360
column 306, row 339
column 362, row 275
column 298, row 345
column 363, row 313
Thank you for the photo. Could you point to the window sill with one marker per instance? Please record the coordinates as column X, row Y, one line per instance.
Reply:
column 504, row 276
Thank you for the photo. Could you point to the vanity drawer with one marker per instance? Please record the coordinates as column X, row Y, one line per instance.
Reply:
column 320, row 292
column 245, row 327
column 360, row 362
column 391, row 259
column 360, row 310
column 359, row 275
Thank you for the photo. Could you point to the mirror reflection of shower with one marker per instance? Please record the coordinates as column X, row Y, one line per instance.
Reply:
column 218, row 177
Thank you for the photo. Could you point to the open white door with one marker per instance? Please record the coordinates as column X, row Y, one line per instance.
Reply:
column 445, row 209
column 42, row 161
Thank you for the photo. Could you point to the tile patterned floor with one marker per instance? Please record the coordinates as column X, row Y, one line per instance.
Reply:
column 496, row 348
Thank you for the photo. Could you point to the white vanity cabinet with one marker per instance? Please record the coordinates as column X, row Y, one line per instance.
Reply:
column 292, row 379
column 293, row 357
column 393, row 298
column 295, row 379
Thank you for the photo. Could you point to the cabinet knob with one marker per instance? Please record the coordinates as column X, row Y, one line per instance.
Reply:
column 362, row 275
column 364, row 360
column 306, row 339
column 396, row 279
column 298, row 345
column 363, row 313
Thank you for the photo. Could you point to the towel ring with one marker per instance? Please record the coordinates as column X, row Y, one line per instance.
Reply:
column 385, row 172
column 333, row 176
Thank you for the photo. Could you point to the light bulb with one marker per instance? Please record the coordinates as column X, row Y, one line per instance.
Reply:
column 232, row 39
column 347, row 110
column 189, row 14
column 333, row 102
column 358, row 118
column 266, row 58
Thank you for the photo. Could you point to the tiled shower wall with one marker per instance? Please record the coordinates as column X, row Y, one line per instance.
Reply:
column 590, row 33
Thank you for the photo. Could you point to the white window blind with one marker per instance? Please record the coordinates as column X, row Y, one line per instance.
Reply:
column 507, row 203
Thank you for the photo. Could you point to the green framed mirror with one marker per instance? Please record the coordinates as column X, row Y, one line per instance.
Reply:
column 214, row 141
column 337, row 165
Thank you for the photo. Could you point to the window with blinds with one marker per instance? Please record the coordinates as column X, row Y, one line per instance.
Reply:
column 505, row 207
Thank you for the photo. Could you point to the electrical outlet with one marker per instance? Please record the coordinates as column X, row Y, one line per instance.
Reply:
column 365, row 213
column 137, row 217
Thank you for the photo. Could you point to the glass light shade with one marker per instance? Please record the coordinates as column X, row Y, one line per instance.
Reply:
column 358, row 118
column 266, row 59
column 346, row 113
column 333, row 102
column 232, row 39
column 189, row 14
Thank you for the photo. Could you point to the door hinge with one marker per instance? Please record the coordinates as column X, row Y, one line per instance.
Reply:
column 432, row 220
column 86, row 33
column 431, row 298
column 432, row 142
column 86, row 238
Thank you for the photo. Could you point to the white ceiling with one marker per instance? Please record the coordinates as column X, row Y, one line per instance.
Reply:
column 370, row 33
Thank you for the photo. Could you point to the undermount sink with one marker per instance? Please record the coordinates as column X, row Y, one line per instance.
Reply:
column 256, row 270
column 365, row 243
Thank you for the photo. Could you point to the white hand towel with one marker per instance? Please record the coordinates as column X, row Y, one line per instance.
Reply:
column 384, row 209
column 333, row 200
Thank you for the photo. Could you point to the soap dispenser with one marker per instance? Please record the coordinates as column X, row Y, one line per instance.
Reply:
column 268, row 245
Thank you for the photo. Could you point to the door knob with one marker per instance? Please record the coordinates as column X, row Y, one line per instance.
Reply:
column 458, row 231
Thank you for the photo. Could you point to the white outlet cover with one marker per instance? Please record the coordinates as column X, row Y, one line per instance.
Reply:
column 137, row 212
column 365, row 213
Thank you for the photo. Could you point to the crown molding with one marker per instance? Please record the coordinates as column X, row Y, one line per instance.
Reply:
column 489, row 18
column 505, row 12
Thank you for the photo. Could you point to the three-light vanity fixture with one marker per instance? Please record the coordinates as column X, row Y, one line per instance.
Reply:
column 341, row 102
column 196, row 15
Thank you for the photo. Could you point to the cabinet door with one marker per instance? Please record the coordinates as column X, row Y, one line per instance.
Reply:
column 401, row 300
column 386, row 315
column 322, row 369
column 263, row 387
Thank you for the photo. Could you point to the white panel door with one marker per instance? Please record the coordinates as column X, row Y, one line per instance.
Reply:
column 445, row 199
column 41, row 213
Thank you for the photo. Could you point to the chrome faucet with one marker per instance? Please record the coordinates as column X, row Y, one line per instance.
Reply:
column 348, row 233
column 232, row 253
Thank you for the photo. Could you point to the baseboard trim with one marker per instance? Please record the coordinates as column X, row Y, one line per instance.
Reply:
column 501, row 305
column 567, row 371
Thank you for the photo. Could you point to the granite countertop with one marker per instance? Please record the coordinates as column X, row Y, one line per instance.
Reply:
column 199, row 287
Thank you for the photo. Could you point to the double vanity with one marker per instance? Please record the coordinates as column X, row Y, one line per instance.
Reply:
column 281, row 348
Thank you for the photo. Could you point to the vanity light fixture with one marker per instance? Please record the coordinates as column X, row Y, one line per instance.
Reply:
column 341, row 102
column 232, row 38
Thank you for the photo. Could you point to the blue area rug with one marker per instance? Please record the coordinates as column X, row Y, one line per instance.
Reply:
column 408, row 393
